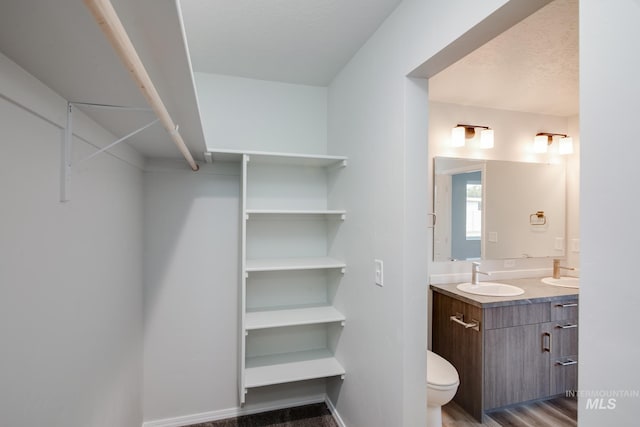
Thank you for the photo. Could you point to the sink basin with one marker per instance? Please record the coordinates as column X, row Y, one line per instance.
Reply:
column 565, row 282
column 491, row 289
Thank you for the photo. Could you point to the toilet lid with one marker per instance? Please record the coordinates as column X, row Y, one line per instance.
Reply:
column 440, row 372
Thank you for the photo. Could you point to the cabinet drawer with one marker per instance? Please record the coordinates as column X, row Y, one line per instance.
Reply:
column 565, row 338
column 564, row 375
column 564, row 309
column 515, row 315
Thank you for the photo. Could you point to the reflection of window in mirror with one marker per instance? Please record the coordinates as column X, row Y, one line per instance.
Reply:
column 474, row 210
column 466, row 220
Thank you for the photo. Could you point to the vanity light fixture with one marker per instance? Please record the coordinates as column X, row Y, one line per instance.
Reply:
column 486, row 138
column 461, row 133
column 543, row 140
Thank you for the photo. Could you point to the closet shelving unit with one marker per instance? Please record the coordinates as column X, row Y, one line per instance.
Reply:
column 288, row 324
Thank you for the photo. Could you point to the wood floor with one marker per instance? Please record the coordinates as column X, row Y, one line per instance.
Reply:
column 558, row 412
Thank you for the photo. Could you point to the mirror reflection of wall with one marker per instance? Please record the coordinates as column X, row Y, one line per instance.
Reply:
column 516, row 192
column 490, row 209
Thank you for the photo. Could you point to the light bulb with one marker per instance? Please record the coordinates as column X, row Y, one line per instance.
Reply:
column 486, row 138
column 540, row 143
column 565, row 146
column 457, row 136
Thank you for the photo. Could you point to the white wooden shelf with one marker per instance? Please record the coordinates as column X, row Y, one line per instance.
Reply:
column 340, row 213
column 284, row 264
column 317, row 160
column 284, row 214
column 292, row 317
column 289, row 367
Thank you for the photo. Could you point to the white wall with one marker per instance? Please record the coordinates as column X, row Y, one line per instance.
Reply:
column 192, row 233
column 191, row 269
column 247, row 114
column 374, row 120
column 609, row 292
column 70, row 274
column 191, row 298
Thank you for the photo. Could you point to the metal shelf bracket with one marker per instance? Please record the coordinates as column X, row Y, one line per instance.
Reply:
column 67, row 145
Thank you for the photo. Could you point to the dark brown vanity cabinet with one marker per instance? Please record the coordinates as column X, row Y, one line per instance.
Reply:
column 514, row 353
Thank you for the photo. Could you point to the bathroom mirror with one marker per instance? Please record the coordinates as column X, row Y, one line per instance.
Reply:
column 496, row 209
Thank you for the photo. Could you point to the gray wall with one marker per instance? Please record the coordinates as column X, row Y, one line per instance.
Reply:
column 384, row 190
column 283, row 117
column 70, row 274
column 609, row 292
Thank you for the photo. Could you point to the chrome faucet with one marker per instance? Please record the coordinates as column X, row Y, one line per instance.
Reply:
column 557, row 267
column 475, row 270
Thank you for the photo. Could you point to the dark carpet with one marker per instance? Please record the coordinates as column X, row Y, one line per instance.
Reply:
column 316, row 415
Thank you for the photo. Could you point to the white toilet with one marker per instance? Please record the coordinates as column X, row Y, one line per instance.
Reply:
column 442, row 384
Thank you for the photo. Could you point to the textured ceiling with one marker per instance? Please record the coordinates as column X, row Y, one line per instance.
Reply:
column 294, row 41
column 531, row 67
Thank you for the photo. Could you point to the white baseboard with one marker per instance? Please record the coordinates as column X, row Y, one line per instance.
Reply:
column 334, row 412
column 222, row 414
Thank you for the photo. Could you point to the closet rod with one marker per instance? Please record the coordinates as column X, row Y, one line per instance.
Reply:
column 106, row 17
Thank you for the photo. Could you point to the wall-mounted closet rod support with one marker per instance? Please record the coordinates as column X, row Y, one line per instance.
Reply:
column 106, row 16
column 67, row 144
column 91, row 156
column 110, row 107
column 65, row 164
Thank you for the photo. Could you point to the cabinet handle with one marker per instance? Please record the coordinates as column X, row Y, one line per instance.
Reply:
column 567, row 363
column 458, row 318
column 544, row 346
column 569, row 304
column 567, row 326
column 433, row 224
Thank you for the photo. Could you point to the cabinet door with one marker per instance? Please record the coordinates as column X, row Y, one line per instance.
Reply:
column 462, row 347
column 516, row 365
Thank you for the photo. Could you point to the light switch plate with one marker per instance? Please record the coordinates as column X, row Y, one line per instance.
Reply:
column 493, row 236
column 379, row 272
